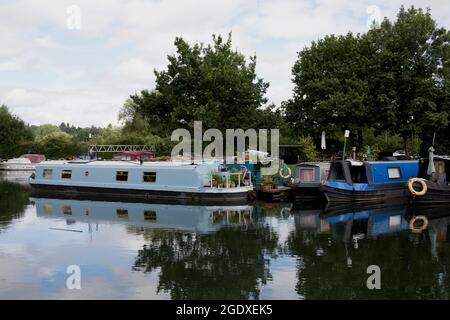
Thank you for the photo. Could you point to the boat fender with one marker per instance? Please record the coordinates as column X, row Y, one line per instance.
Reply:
column 420, row 181
column 280, row 172
column 244, row 174
column 419, row 228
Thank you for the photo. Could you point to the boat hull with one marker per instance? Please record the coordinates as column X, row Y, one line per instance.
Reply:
column 308, row 193
column 281, row 193
column 380, row 193
column 435, row 194
column 152, row 196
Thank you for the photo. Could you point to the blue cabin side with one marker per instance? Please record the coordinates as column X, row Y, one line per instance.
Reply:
column 364, row 176
column 393, row 171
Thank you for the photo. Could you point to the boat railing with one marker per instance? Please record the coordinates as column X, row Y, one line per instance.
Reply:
column 247, row 182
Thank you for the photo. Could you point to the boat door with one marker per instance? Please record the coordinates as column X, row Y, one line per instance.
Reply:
column 358, row 175
column 440, row 175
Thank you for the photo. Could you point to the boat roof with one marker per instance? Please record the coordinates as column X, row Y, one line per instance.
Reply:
column 436, row 157
column 360, row 163
column 314, row 163
column 101, row 163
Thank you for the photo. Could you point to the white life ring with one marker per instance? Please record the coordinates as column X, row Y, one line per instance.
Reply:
column 280, row 173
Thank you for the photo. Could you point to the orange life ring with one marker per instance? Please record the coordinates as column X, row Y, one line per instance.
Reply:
column 420, row 181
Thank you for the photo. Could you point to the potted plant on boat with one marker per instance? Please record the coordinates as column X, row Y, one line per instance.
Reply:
column 267, row 183
column 215, row 179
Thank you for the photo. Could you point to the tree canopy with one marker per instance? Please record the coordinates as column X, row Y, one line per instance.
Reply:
column 14, row 134
column 213, row 83
column 394, row 78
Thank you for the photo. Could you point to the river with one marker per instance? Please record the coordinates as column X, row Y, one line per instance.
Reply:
column 123, row 250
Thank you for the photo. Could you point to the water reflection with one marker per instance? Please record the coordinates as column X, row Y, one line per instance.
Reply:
column 199, row 219
column 200, row 252
column 259, row 251
column 335, row 249
column 229, row 264
column 13, row 199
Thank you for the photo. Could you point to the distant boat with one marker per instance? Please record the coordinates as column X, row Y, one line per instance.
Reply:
column 20, row 177
column 355, row 181
column 25, row 162
column 308, row 177
column 431, row 187
column 149, row 181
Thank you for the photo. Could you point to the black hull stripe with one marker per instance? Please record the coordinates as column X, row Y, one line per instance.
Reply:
column 339, row 195
column 151, row 196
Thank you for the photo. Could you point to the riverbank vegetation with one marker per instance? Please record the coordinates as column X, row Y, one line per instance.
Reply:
column 389, row 86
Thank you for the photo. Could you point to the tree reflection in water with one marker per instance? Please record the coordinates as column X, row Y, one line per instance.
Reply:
column 228, row 264
column 13, row 199
column 332, row 265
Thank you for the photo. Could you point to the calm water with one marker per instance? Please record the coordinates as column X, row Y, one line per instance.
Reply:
column 264, row 251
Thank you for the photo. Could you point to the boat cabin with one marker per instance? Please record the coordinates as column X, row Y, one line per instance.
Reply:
column 372, row 172
column 311, row 174
column 354, row 181
column 441, row 175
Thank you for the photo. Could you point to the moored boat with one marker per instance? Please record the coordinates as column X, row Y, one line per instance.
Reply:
column 25, row 162
column 308, row 177
column 432, row 184
column 355, row 181
column 148, row 181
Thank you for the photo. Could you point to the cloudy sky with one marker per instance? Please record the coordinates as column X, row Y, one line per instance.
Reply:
column 55, row 67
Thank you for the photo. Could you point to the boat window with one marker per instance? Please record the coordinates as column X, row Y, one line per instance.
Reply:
column 307, row 175
column 358, row 174
column 47, row 173
column 150, row 215
column 149, row 176
column 86, row 173
column 48, row 208
column 336, row 172
column 67, row 210
column 66, row 174
column 122, row 213
column 394, row 173
column 122, row 176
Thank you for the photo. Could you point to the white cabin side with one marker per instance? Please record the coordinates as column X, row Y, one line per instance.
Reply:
column 158, row 176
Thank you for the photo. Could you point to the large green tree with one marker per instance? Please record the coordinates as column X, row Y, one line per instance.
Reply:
column 331, row 87
column 15, row 135
column 394, row 78
column 213, row 83
column 412, row 64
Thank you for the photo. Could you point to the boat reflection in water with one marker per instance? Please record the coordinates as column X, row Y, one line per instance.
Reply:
column 409, row 245
column 198, row 252
column 190, row 218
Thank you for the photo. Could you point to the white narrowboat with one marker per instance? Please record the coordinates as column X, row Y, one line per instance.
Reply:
column 149, row 181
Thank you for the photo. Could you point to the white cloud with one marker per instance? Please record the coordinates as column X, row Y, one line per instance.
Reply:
column 48, row 42
column 76, row 107
column 24, row 98
column 135, row 71
column 10, row 66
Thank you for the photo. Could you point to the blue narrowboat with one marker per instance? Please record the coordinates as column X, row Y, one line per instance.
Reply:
column 354, row 181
